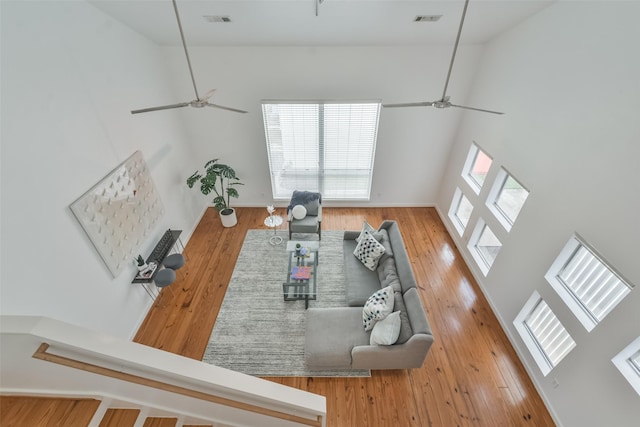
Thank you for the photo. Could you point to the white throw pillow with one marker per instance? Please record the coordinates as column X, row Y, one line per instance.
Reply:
column 299, row 212
column 387, row 330
column 369, row 251
column 378, row 306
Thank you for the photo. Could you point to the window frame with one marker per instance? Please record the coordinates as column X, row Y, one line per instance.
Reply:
column 625, row 364
column 494, row 195
column 320, row 138
column 578, row 307
column 458, row 196
column 472, row 156
column 535, row 347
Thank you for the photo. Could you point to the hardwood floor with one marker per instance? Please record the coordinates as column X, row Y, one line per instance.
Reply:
column 471, row 377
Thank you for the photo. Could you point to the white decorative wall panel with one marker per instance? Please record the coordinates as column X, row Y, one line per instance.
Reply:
column 119, row 212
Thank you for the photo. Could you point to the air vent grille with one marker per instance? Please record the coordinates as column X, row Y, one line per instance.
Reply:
column 427, row 18
column 217, row 18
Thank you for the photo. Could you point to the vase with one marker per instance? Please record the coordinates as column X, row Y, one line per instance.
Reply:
column 228, row 217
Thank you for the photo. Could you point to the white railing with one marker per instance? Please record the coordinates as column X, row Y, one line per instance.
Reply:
column 44, row 356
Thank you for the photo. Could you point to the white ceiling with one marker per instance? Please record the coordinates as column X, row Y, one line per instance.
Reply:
column 339, row 22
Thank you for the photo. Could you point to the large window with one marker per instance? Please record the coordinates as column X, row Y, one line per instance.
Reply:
column 476, row 168
column 325, row 147
column 506, row 198
column 586, row 283
column 544, row 335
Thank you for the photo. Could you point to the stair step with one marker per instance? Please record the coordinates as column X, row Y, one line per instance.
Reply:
column 119, row 417
column 160, row 422
column 33, row 411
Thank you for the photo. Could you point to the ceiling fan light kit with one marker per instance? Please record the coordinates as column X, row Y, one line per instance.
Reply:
column 200, row 101
column 444, row 101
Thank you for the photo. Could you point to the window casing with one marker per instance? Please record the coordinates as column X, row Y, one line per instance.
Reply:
column 543, row 334
column 586, row 283
column 628, row 363
column 506, row 198
column 460, row 211
column 321, row 146
column 476, row 168
column 484, row 246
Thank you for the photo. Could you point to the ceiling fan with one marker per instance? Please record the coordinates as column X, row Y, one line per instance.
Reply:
column 444, row 101
column 200, row 101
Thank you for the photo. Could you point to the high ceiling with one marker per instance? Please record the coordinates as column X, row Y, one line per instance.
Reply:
column 339, row 22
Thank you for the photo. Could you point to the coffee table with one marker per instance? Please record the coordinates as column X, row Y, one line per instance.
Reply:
column 301, row 289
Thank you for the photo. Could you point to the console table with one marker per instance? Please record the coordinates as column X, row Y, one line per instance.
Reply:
column 159, row 253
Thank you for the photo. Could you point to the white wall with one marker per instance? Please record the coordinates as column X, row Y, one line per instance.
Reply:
column 413, row 143
column 568, row 80
column 70, row 76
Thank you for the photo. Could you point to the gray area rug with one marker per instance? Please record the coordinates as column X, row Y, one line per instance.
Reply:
column 257, row 332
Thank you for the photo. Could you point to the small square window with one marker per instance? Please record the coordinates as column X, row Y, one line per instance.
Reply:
column 476, row 168
column 628, row 363
column 484, row 246
column 506, row 198
column 586, row 283
column 543, row 334
column 460, row 211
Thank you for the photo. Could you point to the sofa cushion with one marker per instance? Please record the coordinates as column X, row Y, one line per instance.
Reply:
column 360, row 281
column 387, row 274
column 405, row 325
column 331, row 334
column 386, row 331
column 369, row 251
column 378, row 306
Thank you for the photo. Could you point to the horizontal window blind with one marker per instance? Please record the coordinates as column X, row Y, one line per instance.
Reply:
column 552, row 338
column 325, row 147
column 592, row 283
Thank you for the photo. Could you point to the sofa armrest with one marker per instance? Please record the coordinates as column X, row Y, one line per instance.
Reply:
column 398, row 356
column 351, row 235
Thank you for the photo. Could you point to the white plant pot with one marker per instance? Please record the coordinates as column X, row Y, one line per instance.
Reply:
column 228, row 219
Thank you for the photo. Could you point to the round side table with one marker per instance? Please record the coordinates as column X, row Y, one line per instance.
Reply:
column 274, row 221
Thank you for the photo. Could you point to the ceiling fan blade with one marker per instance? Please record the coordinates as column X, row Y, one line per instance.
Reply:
column 225, row 108
column 207, row 95
column 455, row 49
column 186, row 52
column 409, row 104
column 163, row 107
column 476, row 109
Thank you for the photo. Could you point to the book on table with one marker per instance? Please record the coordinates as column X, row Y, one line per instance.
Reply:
column 300, row 273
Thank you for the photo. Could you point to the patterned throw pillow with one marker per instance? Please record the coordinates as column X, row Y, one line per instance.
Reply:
column 369, row 251
column 378, row 306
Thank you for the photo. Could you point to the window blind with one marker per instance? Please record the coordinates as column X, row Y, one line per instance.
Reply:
column 325, row 147
column 552, row 338
column 592, row 283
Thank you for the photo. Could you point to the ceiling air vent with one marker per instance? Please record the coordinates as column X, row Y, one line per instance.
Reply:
column 427, row 18
column 217, row 18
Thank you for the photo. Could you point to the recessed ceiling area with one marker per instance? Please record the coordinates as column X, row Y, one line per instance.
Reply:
column 339, row 22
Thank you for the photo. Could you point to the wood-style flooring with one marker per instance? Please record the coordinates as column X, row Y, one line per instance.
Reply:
column 471, row 377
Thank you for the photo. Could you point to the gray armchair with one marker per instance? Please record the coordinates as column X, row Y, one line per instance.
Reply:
column 312, row 221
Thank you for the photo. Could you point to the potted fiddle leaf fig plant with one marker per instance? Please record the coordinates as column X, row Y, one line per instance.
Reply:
column 220, row 179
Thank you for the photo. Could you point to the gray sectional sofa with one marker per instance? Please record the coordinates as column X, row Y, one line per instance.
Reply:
column 335, row 337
